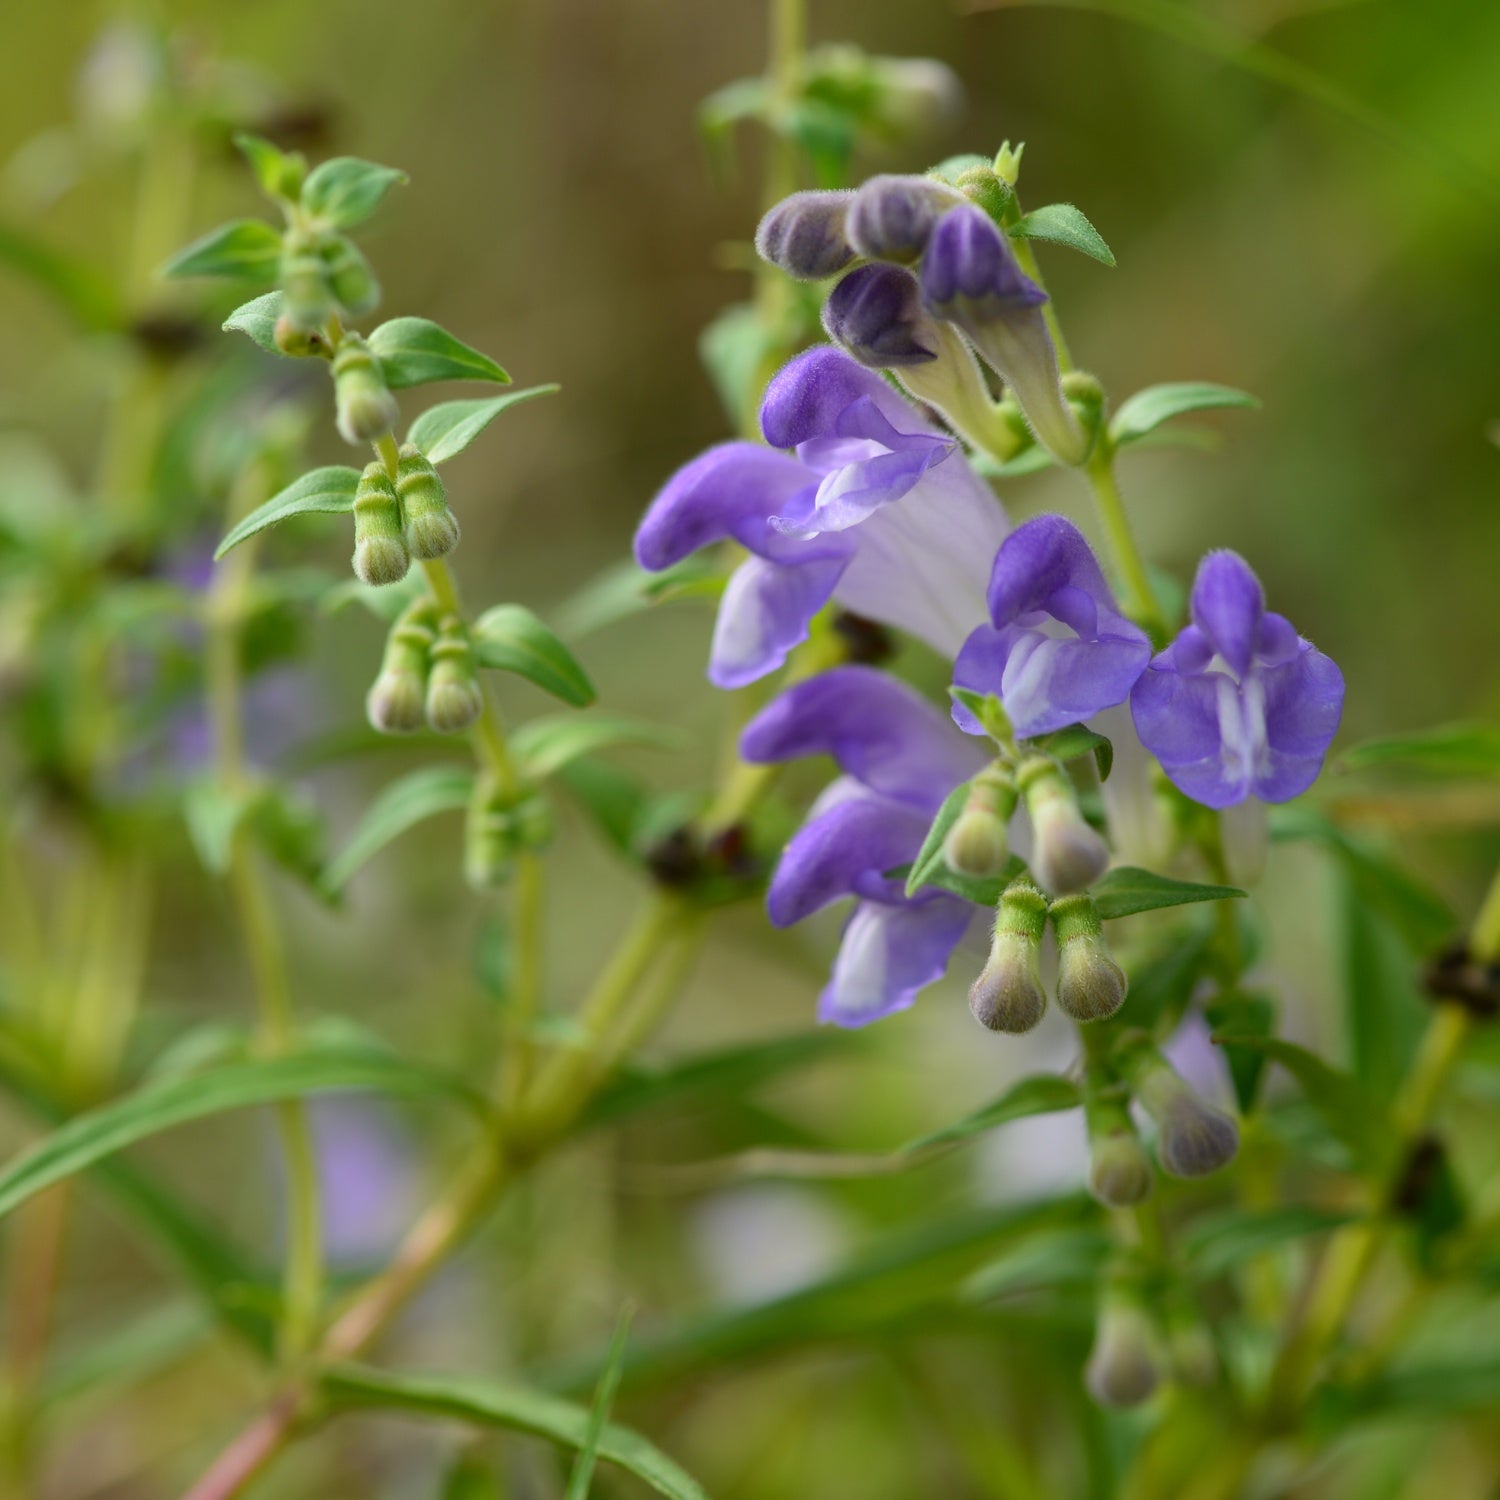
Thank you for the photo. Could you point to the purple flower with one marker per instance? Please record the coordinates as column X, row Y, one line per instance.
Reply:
column 872, row 507
column 876, row 313
column 804, row 235
column 892, row 218
column 900, row 758
column 1239, row 705
column 1058, row 649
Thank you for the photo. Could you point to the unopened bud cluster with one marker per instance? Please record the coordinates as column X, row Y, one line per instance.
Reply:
column 323, row 276
column 395, row 521
column 428, row 676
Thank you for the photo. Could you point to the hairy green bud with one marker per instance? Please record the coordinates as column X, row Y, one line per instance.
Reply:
column 1125, row 1365
column 1193, row 1138
column 366, row 409
column 1008, row 995
column 1120, row 1172
column 380, row 555
column 1090, row 984
column 977, row 844
column 1069, row 856
column 431, row 528
column 454, row 699
column 306, row 294
column 397, row 701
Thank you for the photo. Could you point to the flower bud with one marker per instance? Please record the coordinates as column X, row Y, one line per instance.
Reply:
column 396, row 703
column 350, row 278
column 366, row 408
column 1090, row 984
column 977, row 842
column 1069, row 855
column 1125, row 1365
column 293, row 339
column 918, row 94
column 1008, row 995
column 876, row 314
column 306, row 296
column 892, row 218
column 454, row 698
column 804, row 235
column 380, row 555
column 1120, row 1172
column 431, row 528
column 971, row 277
column 1193, row 1138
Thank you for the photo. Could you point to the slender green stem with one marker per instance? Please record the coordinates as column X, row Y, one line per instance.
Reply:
column 1140, row 597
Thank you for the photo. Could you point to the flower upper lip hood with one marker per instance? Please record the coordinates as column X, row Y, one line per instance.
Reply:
column 969, row 261
column 900, row 757
column 1057, row 649
column 1239, row 705
column 872, row 507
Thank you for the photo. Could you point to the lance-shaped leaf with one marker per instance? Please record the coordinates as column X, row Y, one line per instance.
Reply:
column 444, row 431
column 422, row 794
column 581, row 1479
column 1148, row 409
column 327, row 492
column 1075, row 741
column 246, row 250
column 512, row 639
column 280, row 173
column 1063, row 224
column 256, row 319
column 487, row 1403
column 545, row 746
column 90, row 1137
column 415, row 351
column 1045, row 1094
column 1458, row 751
column 929, row 861
column 1126, row 890
column 344, row 190
column 1219, row 1242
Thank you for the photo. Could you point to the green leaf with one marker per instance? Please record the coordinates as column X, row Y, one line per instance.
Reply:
column 1063, row 224
column 487, row 1403
column 545, row 746
column 147, row 1345
column 1217, row 1243
column 981, row 890
column 442, row 432
column 415, row 797
column 1030, row 460
column 627, row 588
column 280, row 173
column 328, row 492
column 929, row 862
column 213, row 816
column 1384, row 1011
column 256, row 319
column 416, row 351
column 1450, row 751
column 246, row 250
column 582, row 1477
column 1148, row 409
column 1045, row 1094
column 510, row 638
column 1126, row 890
column 1075, row 741
column 89, row 1138
column 344, row 191
column 87, row 296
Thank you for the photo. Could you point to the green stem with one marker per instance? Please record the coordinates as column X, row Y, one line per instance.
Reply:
column 1140, row 597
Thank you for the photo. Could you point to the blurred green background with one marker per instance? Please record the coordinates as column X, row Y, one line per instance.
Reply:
column 1325, row 239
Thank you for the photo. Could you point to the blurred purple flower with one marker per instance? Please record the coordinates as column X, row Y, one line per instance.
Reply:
column 1239, row 705
column 1058, row 649
column 873, row 507
column 900, row 758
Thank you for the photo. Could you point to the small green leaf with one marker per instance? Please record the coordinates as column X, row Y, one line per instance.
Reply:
column 246, row 250
column 1045, row 1094
column 442, row 432
column 328, row 492
column 1459, row 751
column 213, row 814
column 1148, row 409
column 929, row 860
column 89, row 1138
column 987, row 709
column 1219, row 1242
column 416, row 351
column 486, row 1402
column 1074, row 741
column 545, row 746
column 280, row 173
column 626, row 589
column 512, row 639
column 1063, row 224
column 344, row 191
column 981, row 890
column 422, row 794
column 257, row 320
column 1126, row 890
column 582, row 1477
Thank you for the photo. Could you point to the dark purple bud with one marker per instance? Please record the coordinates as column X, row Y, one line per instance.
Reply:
column 892, row 218
column 804, row 235
column 876, row 313
column 969, row 258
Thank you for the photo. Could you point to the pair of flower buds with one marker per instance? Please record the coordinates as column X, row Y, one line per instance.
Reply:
column 397, row 521
column 323, row 275
column 428, row 675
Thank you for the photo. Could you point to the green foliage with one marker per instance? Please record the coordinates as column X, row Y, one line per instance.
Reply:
column 581, row 1478
column 1074, row 742
column 443, row 432
column 1145, row 411
column 415, row 797
column 1127, row 891
column 256, row 319
column 246, row 250
column 545, row 746
column 327, row 492
column 510, row 638
column 344, row 191
column 417, row 351
column 1042, row 1095
column 1450, row 751
column 1063, row 224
